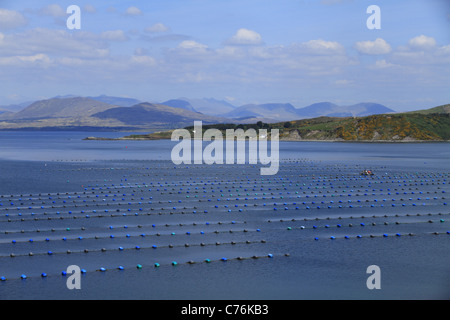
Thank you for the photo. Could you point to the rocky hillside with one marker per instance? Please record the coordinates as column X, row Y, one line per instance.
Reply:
column 424, row 125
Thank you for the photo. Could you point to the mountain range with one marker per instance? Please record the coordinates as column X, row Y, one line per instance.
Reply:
column 119, row 113
column 287, row 112
column 417, row 126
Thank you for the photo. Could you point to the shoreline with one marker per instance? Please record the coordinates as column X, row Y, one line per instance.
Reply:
column 284, row 140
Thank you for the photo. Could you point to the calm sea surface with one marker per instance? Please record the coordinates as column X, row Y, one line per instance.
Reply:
column 161, row 231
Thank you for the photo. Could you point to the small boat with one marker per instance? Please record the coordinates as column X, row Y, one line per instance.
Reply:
column 367, row 173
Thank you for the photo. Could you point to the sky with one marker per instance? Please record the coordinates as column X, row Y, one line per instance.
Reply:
column 241, row 51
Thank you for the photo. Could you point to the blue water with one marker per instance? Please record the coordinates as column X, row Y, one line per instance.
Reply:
column 321, row 222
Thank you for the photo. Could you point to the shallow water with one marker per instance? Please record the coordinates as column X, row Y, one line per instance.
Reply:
column 321, row 222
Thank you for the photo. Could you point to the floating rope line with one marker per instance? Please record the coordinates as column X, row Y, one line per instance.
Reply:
column 137, row 247
column 362, row 217
column 359, row 217
column 155, row 265
column 360, row 224
column 139, row 226
column 384, row 235
column 170, row 211
column 142, row 235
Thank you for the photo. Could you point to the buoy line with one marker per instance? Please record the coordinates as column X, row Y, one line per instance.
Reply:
column 137, row 247
column 384, row 235
column 362, row 225
column 137, row 187
column 195, row 224
column 95, row 202
column 359, row 217
column 174, row 210
column 142, row 235
column 364, row 217
column 155, row 265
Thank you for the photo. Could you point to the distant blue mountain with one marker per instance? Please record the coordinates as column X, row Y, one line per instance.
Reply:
column 179, row 103
column 287, row 112
column 333, row 110
column 117, row 101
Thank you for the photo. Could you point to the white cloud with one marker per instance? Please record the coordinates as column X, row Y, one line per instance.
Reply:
column 143, row 60
column 54, row 10
column 422, row 42
column 245, row 37
column 133, row 11
column 323, row 47
column 114, row 35
column 25, row 60
column 156, row 28
column 11, row 19
column 55, row 43
column 382, row 64
column 445, row 50
column 192, row 45
column 379, row 46
column 90, row 8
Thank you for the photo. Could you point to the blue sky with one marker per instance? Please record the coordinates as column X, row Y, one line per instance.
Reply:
column 242, row 51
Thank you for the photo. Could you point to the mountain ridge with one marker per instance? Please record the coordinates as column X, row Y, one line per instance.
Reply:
column 72, row 111
column 428, row 125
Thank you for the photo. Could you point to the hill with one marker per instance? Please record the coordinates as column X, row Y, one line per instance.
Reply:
column 210, row 106
column 332, row 110
column 386, row 127
column 179, row 103
column 77, row 107
column 149, row 113
column 287, row 112
column 440, row 109
column 401, row 127
column 117, row 101
column 273, row 111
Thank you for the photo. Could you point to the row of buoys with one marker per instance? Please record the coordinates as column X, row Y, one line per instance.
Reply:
column 341, row 193
column 157, row 265
column 229, row 222
column 384, row 235
column 361, row 217
column 362, row 224
column 331, row 203
column 221, row 199
column 137, row 247
column 266, row 183
column 139, row 226
column 142, row 235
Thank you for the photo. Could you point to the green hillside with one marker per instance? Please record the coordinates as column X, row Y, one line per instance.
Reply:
column 425, row 125
column 440, row 109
